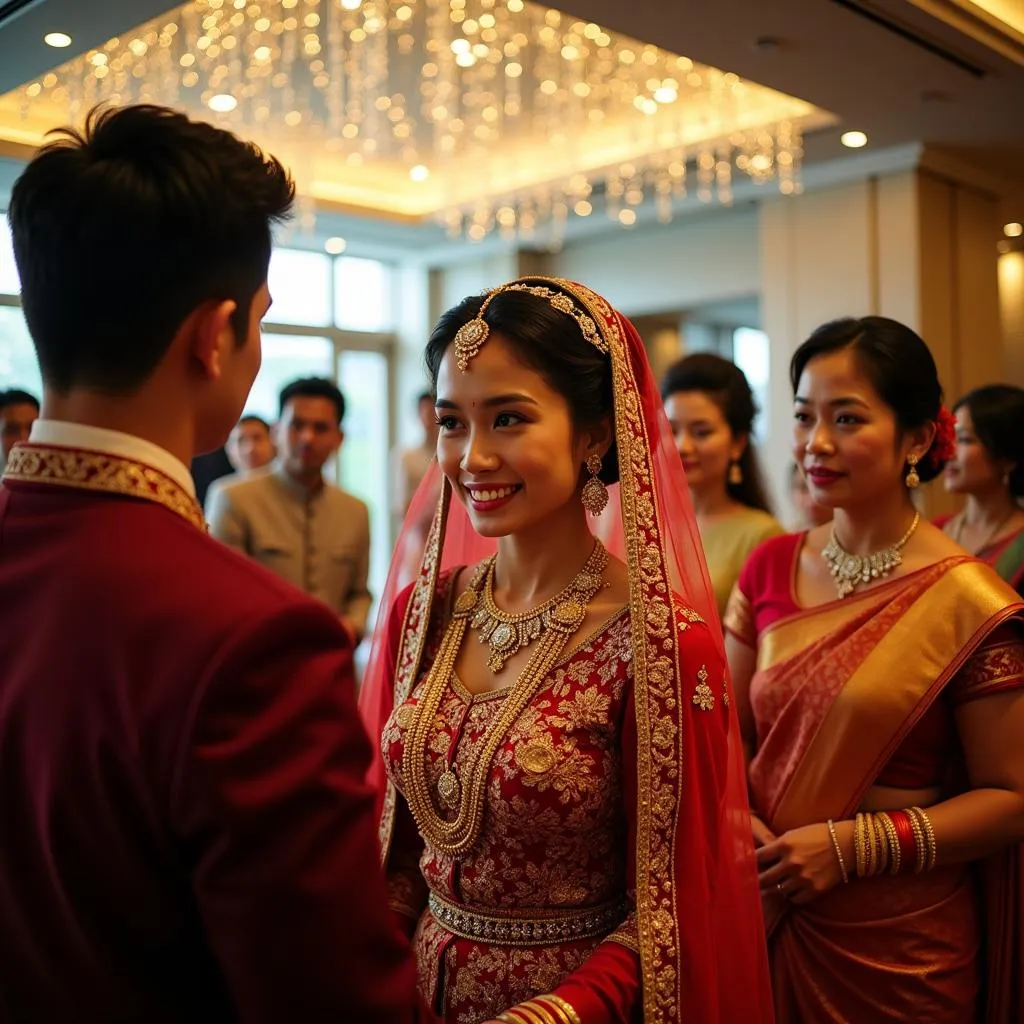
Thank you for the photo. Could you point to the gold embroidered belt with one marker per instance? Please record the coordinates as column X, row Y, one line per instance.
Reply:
column 529, row 926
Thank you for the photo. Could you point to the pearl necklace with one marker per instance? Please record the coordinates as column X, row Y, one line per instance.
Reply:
column 850, row 571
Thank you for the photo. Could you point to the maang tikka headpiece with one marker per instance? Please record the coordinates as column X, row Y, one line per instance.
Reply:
column 470, row 337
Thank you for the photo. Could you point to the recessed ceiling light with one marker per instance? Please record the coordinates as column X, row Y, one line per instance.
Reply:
column 57, row 39
column 351, row 5
column 222, row 103
column 420, row 172
column 853, row 140
column 1013, row 229
column 335, row 246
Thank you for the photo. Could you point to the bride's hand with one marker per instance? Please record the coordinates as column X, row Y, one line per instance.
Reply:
column 763, row 835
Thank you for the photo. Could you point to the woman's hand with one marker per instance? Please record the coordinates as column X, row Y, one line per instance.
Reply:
column 801, row 864
column 763, row 835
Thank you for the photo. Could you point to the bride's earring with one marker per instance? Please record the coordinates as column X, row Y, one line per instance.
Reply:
column 594, row 495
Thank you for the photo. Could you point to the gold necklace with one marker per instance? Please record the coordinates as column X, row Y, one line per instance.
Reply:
column 850, row 571
column 507, row 634
column 467, row 797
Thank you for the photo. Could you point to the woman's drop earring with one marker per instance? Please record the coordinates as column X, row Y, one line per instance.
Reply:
column 594, row 495
column 735, row 474
column 913, row 480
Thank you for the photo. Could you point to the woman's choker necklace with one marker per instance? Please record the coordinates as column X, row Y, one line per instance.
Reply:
column 850, row 571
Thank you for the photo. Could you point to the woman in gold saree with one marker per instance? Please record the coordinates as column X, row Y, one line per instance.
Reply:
column 880, row 678
column 564, row 820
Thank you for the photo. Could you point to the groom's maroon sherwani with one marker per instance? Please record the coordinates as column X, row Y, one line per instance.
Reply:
column 185, row 834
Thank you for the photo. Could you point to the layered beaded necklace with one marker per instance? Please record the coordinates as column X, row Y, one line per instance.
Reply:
column 850, row 571
column 551, row 626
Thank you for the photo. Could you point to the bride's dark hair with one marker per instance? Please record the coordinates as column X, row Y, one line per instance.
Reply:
column 543, row 339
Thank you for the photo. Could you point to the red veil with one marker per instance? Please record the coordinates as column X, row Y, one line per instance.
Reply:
column 702, row 944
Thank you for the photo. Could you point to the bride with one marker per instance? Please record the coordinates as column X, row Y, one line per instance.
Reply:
column 564, row 822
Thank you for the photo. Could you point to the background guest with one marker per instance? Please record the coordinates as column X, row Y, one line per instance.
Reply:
column 290, row 519
column 250, row 444
column 988, row 468
column 18, row 411
column 711, row 411
column 879, row 679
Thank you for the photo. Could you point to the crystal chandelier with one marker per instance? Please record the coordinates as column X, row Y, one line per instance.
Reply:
column 487, row 115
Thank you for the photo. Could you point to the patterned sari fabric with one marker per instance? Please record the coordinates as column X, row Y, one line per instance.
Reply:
column 863, row 692
column 614, row 863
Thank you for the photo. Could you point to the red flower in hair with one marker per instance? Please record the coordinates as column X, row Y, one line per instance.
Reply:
column 944, row 446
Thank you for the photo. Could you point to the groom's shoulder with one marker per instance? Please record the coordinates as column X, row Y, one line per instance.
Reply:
column 186, row 575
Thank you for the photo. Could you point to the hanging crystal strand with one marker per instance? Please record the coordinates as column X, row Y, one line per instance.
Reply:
column 788, row 158
column 527, row 218
column 723, row 173
column 441, row 29
column 336, row 74
column 614, row 190
column 705, row 174
column 559, row 216
column 663, row 194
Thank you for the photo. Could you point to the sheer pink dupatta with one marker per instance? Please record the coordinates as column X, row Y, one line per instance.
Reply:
column 702, row 946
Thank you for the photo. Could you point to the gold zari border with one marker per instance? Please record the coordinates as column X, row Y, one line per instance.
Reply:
column 107, row 474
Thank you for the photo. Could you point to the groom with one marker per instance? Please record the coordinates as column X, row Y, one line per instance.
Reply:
column 185, row 834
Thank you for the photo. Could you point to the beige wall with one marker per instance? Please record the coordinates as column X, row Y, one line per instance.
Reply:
column 663, row 268
column 1011, row 307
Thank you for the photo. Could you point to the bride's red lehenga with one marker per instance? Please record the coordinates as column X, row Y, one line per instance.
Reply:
column 614, row 867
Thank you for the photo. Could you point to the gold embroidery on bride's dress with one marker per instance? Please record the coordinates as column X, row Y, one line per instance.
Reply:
column 703, row 698
column 501, row 976
column 587, row 709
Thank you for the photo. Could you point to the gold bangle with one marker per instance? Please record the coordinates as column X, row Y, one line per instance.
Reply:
column 859, row 846
column 517, row 1015
column 540, row 1011
column 566, row 1007
column 882, row 841
column 549, row 1002
column 892, row 839
column 920, row 843
column 838, row 851
column 869, row 825
column 933, row 849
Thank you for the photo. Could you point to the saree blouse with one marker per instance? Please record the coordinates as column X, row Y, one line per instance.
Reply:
column 766, row 593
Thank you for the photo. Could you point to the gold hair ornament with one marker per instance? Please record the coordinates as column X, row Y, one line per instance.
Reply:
column 470, row 337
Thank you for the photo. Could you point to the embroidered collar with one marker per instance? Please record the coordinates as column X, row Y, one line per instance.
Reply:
column 99, row 471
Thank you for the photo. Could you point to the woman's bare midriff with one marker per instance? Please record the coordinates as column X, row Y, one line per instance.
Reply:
column 888, row 798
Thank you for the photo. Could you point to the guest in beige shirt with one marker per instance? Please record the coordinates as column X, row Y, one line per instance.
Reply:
column 288, row 518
